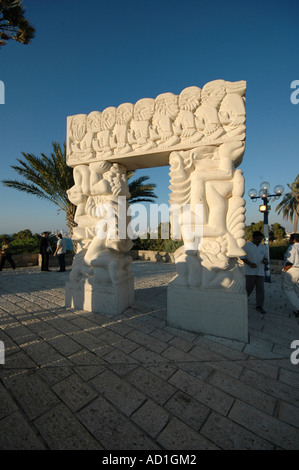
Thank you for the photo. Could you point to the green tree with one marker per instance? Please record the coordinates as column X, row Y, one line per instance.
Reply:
column 258, row 226
column 289, row 206
column 50, row 177
column 139, row 191
column 47, row 178
column 13, row 24
column 277, row 232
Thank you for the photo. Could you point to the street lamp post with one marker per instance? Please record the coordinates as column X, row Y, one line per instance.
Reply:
column 265, row 208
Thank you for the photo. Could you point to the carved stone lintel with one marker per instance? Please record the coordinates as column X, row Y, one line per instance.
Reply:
column 197, row 117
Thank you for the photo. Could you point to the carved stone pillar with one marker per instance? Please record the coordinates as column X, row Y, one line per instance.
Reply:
column 208, row 294
column 101, row 280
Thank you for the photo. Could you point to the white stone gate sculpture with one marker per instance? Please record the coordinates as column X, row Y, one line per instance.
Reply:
column 201, row 135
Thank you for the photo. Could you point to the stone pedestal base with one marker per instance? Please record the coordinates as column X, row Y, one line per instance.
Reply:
column 213, row 312
column 107, row 299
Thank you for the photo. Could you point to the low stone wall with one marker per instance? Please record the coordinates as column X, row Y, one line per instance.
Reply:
column 24, row 260
column 27, row 260
column 276, row 266
column 158, row 256
column 53, row 260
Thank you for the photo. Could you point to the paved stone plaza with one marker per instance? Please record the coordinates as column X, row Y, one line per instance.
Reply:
column 79, row 380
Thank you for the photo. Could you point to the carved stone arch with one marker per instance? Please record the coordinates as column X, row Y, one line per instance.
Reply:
column 200, row 133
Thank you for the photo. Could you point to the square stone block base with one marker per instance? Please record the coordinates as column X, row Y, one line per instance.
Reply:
column 213, row 312
column 107, row 299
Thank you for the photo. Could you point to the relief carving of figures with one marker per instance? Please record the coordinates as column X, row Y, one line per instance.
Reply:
column 124, row 114
column 142, row 137
column 207, row 119
column 103, row 138
column 194, row 118
column 166, row 110
column 95, row 192
column 77, row 132
column 232, row 112
column 206, row 176
column 184, row 125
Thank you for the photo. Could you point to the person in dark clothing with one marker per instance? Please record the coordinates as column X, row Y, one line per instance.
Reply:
column 6, row 254
column 45, row 249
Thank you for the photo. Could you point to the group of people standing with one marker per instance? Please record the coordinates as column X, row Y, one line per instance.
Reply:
column 255, row 260
column 45, row 251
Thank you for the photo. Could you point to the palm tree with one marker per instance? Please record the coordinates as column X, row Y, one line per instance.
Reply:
column 50, row 177
column 13, row 24
column 139, row 191
column 289, row 206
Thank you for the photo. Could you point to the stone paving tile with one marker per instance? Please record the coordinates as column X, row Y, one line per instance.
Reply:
column 88, row 372
column 53, row 375
column 219, row 348
column 118, row 357
column 43, row 329
column 244, row 392
column 64, row 345
column 18, row 360
column 31, row 394
column 92, row 343
column 10, row 346
column 229, row 343
column 43, row 354
column 151, row 417
column 61, row 430
column 7, row 404
column 230, row 436
column 179, row 436
column 204, row 393
column 11, row 307
column 187, row 409
column 152, row 385
column 20, row 334
column 269, row 428
column 196, row 369
column 162, row 370
column 181, row 343
column 117, row 341
column 286, row 364
column 231, row 368
column 122, row 369
column 117, row 391
column 17, row 434
column 289, row 378
column 162, row 335
column 267, row 368
column 272, row 387
column 112, row 429
column 147, row 341
column 85, row 358
column 74, row 392
column 146, row 356
column 203, row 354
column 178, row 355
column 288, row 413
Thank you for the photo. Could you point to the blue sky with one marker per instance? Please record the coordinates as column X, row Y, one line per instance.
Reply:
column 89, row 55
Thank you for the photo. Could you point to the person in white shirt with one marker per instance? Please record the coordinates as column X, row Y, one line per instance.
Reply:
column 60, row 252
column 290, row 274
column 255, row 260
